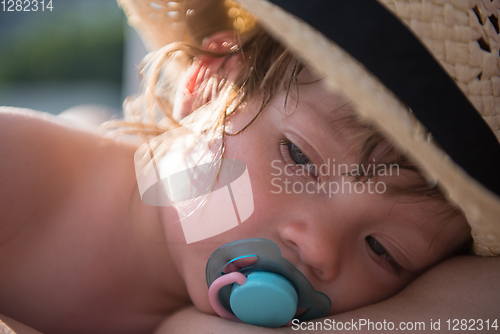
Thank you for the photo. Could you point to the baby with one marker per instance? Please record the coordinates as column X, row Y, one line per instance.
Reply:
column 82, row 253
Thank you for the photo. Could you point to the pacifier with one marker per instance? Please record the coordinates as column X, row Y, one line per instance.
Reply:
column 250, row 282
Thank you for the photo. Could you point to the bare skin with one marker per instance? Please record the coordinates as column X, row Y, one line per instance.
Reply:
column 80, row 251
column 322, row 235
column 459, row 288
column 77, row 255
column 104, row 266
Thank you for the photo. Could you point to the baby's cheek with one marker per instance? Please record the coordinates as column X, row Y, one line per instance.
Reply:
column 199, row 296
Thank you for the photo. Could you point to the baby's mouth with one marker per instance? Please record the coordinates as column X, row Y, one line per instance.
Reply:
column 239, row 271
column 244, row 262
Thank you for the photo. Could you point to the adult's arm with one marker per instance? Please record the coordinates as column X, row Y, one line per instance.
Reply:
column 461, row 288
column 11, row 326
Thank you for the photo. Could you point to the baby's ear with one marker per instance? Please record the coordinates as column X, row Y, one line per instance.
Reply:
column 193, row 91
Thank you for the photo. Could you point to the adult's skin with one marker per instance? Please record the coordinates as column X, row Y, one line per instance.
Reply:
column 460, row 288
column 464, row 287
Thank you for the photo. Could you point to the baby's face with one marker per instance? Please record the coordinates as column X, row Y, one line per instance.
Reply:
column 358, row 247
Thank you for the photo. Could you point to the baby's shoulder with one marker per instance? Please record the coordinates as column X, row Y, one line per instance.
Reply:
column 35, row 164
column 43, row 162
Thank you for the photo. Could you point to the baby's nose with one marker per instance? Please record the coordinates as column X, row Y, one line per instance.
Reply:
column 316, row 247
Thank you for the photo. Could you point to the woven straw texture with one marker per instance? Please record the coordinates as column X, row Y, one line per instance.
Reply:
column 161, row 22
column 462, row 35
column 158, row 22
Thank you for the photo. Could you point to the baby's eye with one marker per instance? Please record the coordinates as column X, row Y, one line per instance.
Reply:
column 376, row 246
column 293, row 156
column 297, row 156
column 380, row 251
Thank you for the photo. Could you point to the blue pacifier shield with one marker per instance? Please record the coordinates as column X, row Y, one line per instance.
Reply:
column 274, row 289
column 265, row 299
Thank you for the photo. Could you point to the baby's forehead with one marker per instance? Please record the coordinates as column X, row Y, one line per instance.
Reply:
column 315, row 97
column 327, row 113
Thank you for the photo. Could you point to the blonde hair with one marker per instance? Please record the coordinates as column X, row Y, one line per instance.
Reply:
column 269, row 68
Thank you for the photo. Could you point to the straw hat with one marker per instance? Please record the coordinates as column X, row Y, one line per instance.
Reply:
column 410, row 66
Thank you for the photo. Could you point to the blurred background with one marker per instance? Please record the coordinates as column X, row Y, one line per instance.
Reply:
column 81, row 55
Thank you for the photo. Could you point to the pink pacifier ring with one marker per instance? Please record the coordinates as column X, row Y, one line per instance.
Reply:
column 213, row 293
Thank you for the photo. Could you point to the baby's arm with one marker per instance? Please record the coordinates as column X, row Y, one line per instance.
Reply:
column 460, row 288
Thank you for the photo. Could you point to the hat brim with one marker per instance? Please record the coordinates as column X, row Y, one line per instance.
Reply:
column 371, row 98
column 378, row 105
